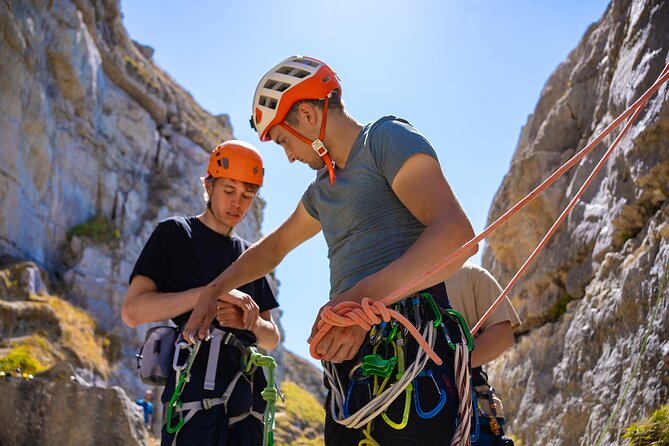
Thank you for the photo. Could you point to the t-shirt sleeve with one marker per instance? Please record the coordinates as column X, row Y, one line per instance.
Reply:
column 394, row 141
column 153, row 260
column 307, row 201
column 264, row 296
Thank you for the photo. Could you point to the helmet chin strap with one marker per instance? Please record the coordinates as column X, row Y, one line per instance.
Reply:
column 317, row 144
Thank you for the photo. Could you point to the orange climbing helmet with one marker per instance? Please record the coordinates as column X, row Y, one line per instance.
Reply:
column 295, row 79
column 237, row 160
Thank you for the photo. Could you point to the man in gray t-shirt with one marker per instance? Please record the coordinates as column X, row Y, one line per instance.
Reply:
column 387, row 213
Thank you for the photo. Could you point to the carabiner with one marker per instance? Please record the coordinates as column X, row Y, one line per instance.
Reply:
column 477, row 430
column 416, row 398
column 416, row 310
column 435, row 309
column 464, row 327
column 349, row 393
column 407, row 409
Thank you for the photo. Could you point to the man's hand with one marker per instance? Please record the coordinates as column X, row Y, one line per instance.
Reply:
column 341, row 343
column 203, row 314
column 246, row 304
column 229, row 315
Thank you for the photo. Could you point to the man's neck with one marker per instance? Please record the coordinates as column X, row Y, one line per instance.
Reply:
column 342, row 131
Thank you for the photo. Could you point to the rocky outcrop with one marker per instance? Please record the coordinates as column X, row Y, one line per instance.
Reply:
column 39, row 329
column 53, row 369
column 591, row 296
column 61, row 411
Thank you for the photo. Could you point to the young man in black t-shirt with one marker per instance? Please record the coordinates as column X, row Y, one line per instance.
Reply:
column 182, row 255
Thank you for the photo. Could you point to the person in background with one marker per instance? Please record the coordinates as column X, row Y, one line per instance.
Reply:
column 472, row 291
column 147, row 406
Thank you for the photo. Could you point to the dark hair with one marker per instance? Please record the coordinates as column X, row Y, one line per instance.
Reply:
column 335, row 102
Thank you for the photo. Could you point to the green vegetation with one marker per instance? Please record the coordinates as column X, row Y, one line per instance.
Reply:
column 78, row 334
column 97, row 228
column 302, row 419
column 559, row 308
column 653, row 431
column 32, row 355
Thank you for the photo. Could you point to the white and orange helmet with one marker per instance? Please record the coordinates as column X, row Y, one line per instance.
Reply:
column 295, row 79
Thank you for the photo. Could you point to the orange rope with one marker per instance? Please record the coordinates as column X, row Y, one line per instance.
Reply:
column 367, row 313
column 570, row 206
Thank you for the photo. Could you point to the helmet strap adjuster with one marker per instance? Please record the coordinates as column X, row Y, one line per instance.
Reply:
column 319, row 147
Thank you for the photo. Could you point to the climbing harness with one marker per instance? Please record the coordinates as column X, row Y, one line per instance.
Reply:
column 251, row 359
column 375, row 371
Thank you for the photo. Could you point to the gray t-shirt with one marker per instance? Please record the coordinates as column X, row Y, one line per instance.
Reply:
column 365, row 225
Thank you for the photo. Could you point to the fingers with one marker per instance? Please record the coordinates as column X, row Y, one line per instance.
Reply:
column 229, row 315
column 200, row 319
column 340, row 344
column 246, row 304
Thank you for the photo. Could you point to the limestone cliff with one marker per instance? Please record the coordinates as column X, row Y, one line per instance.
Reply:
column 589, row 299
column 98, row 144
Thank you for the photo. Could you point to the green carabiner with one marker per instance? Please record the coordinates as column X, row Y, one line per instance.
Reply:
column 184, row 377
column 465, row 330
column 435, row 309
column 174, row 401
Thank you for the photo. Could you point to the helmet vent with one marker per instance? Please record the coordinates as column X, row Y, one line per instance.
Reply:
column 268, row 102
column 293, row 72
column 311, row 63
column 276, row 85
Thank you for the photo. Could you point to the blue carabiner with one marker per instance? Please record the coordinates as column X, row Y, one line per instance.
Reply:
column 442, row 397
column 349, row 392
column 477, row 430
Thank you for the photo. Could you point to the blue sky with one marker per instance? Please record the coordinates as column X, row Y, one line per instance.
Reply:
column 465, row 73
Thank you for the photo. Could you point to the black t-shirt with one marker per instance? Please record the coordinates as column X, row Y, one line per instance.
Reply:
column 181, row 254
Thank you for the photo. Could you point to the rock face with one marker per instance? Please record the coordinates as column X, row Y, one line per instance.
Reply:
column 91, row 127
column 592, row 295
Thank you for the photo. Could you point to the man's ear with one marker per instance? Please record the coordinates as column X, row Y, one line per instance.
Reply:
column 308, row 113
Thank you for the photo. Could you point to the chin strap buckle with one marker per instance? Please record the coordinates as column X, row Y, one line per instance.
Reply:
column 319, row 147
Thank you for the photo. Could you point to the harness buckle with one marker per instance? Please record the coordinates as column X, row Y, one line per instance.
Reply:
column 319, row 147
column 208, row 403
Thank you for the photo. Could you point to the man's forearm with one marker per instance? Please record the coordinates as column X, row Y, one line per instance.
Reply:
column 152, row 306
column 491, row 343
column 266, row 333
column 436, row 243
column 254, row 263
